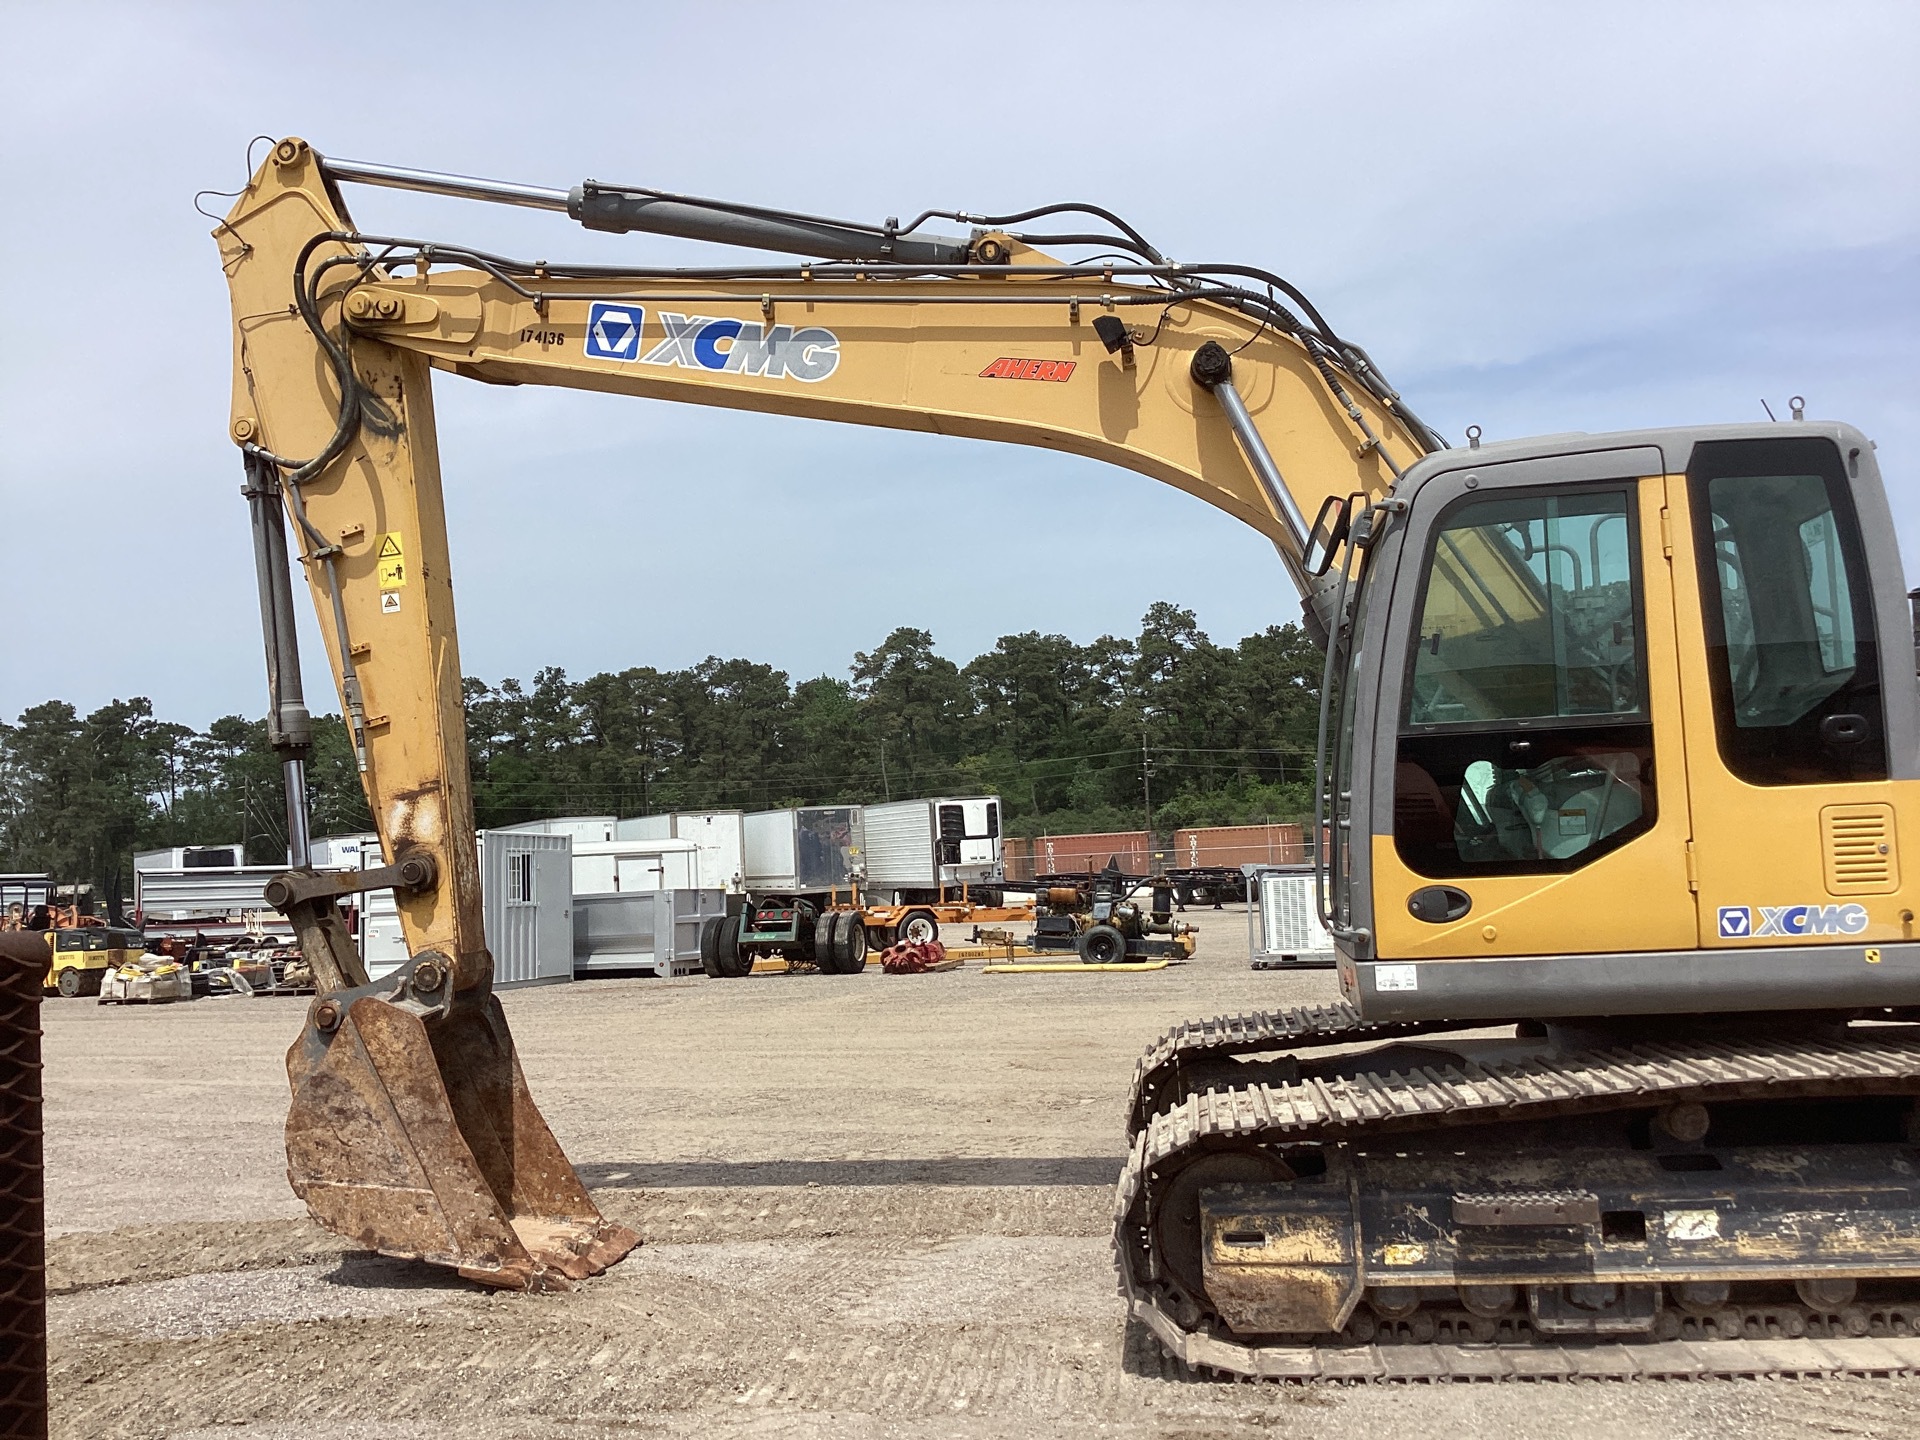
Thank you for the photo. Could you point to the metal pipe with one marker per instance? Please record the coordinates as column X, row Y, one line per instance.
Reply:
column 433, row 182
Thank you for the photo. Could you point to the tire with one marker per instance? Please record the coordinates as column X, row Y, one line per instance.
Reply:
column 826, row 930
column 879, row 937
column 710, row 946
column 917, row 927
column 732, row 962
column 850, row 945
column 69, row 984
column 1101, row 945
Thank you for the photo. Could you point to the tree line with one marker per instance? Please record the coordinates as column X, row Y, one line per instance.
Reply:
column 1072, row 737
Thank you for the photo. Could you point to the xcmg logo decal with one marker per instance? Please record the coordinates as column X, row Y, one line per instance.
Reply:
column 1737, row 922
column 613, row 331
column 745, row 347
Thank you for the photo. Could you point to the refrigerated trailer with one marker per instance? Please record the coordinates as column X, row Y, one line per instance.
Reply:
column 927, row 851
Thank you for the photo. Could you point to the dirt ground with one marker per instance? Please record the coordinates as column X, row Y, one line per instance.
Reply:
column 873, row 1207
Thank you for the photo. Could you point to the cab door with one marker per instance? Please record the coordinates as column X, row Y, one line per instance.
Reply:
column 1796, row 834
column 1530, row 718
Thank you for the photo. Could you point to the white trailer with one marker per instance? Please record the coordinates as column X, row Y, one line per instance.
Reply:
column 916, row 849
column 720, row 836
column 809, row 851
column 192, row 857
column 582, row 828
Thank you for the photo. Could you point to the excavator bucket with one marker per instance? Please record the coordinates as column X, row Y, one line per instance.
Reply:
column 421, row 1140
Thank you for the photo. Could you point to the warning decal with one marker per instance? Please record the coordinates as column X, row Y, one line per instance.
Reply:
column 392, row 562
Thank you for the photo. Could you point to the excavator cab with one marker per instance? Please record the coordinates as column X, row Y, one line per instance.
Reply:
column 1579, row 671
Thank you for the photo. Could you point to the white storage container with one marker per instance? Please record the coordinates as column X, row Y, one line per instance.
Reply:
column 924, row 844
column 720, row 835
column 645, row 827
column 656, row 930
column 806, row 851
column 622, row 867
column 526, row 894
column 721, row 838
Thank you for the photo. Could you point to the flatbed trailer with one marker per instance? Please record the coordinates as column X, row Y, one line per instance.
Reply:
column 836, row 933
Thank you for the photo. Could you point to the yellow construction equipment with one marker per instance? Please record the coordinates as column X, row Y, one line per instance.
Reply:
column 1611, row 762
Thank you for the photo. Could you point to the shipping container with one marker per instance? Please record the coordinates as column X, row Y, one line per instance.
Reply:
column 807, row 851
column 719, row 834
column 1086, row 854
column 621, row 867
column 917, row 847
column 1231, row 846
column 643, row 930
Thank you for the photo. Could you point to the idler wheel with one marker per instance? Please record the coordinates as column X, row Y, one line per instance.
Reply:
column 1177, row 1238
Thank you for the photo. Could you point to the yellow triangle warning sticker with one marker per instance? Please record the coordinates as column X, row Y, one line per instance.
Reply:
column 390, row 546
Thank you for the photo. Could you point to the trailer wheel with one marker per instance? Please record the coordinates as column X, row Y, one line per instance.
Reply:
column 69, row 982
column 733, row 962
column 1101, row 945
column 710, row 946
column 917, row 927
column 850, row 945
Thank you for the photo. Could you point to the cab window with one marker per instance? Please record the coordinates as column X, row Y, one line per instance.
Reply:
column 1791, row 658
column 1525, row 744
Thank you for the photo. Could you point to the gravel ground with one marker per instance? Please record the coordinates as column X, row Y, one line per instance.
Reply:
column 873, row 1207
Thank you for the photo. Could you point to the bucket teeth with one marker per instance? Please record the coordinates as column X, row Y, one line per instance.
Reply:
column 428, row 1146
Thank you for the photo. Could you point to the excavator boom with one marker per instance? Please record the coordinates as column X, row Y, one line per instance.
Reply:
column 412, row 1128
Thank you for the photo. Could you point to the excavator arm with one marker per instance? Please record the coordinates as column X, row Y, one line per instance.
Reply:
column 412, row 1129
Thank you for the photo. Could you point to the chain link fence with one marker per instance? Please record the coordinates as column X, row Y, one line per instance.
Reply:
column 23, row 1240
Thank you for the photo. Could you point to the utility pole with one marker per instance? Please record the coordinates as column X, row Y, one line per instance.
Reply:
column 1146, row 787
column 885, row 788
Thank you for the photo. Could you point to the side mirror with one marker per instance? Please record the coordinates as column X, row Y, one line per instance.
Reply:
column 1328, row 533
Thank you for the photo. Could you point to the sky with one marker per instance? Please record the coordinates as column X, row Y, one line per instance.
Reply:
column 1537, row 218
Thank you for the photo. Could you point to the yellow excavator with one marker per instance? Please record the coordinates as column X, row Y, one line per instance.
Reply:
column 1624, row 1077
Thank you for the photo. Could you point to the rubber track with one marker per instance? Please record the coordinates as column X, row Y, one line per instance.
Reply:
column 1342, row 1109
column 1156, row 1074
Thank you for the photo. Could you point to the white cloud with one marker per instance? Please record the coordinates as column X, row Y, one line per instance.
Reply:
column 1537, row 217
